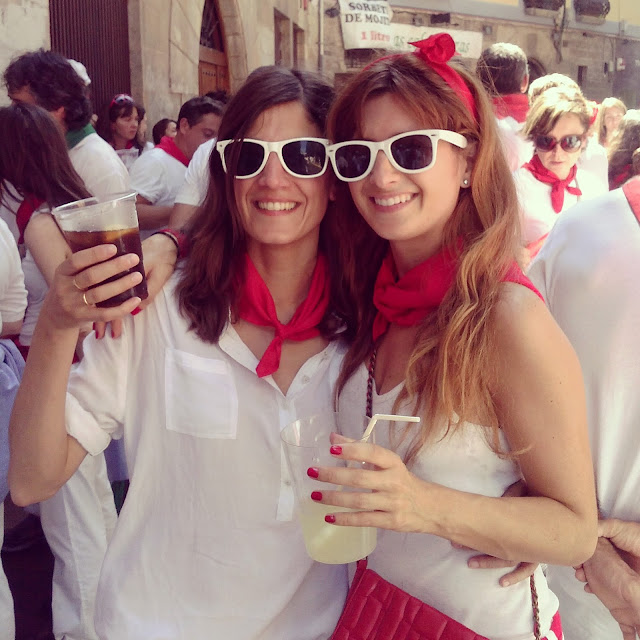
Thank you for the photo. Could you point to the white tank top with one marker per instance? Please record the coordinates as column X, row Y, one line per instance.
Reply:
column 427, row 566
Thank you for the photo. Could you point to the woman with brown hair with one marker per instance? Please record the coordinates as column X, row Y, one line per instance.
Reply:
column 609, row 117
column 242, row 341
column 451, row 331
column 621, row 151
column 119, row 127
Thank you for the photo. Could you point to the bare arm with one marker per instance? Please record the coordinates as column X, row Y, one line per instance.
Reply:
column 11, row 328
column 151, row 216
column 43, row 456
column 181, row 215
column 542, row 408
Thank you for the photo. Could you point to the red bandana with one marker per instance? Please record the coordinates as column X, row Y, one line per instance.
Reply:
column 514, row 105
column 558, row 186
column 25, row 211
column 621, row 178
column 420, row 291
column 168, row 145
column 256, row 306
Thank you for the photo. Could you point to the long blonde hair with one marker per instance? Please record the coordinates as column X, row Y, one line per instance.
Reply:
column 449, row 370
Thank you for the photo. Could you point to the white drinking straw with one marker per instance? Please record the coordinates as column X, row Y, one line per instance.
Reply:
column 383, row 416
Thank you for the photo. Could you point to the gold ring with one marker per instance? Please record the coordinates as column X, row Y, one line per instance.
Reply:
column 75, row 284
column 84, row 297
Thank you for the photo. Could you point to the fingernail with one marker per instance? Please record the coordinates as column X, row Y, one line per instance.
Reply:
column 316, row 495
column 335, row 449
column 330, row 519
column 97, row 334
column 505, row 583
column 113, row 335
column 474, row 564
column 136, row 311
column 312, row 472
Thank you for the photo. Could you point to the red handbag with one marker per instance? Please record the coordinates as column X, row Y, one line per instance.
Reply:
column 378, row 610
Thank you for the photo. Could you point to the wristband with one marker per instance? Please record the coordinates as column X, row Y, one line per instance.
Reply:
column 179, row 238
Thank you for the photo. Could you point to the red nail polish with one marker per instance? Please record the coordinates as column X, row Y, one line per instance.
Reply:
column 316, row 495
column 330, row 519
column 336, row 450
column 312, row 472
column 136, row 311
column 113, row 335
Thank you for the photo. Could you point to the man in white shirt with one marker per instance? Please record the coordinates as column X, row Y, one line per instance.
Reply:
column 588, row 272
column 157, row 175
column 79, row 519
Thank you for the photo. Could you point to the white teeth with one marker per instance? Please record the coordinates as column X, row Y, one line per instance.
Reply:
column 389, row 202
column 276, row 206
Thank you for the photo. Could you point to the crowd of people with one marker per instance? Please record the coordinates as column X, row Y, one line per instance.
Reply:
column 431, row 240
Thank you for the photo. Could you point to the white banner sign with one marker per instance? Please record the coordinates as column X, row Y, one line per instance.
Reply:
column 468, row 43
column 366, row 25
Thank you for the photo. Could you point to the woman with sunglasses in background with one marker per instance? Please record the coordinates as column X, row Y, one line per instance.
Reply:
column 119, row 127
column 242, row 341
column 453, row 332
column 552, row 181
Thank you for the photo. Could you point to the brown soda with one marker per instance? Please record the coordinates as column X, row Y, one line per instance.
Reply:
column 126, row 241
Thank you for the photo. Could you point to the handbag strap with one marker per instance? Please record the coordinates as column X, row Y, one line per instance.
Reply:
column 532, row 583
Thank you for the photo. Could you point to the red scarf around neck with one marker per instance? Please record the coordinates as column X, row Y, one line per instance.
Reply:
column 26, row 209
column 407, row 301
column 558, row 186
column 168, row 145
column 257, row 307
column 514, row 105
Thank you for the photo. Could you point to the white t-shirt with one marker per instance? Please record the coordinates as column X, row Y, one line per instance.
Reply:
column 588, row 272
column 13, row 295
column 517, row 149
column 98, row 165
column 157, row 176
column 537, row 214
column 196, row 180
column 594, row 161
column 427, row 566
column 206, row 545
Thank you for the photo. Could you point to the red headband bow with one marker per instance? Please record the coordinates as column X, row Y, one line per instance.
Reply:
column 436, row 51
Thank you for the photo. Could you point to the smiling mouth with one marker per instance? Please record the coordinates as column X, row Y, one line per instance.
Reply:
column 276, row 206
column 394, row 200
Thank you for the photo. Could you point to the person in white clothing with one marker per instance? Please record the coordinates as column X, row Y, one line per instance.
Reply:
column 552, row 181
column 243, row 340
column 588, row 272
column 13, row 295
column 457, row 335
column 158, row 174
column 78, row 520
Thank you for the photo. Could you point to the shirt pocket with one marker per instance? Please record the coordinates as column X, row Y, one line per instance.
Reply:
column 200, row 396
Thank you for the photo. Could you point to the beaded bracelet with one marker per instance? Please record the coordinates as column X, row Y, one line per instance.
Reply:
column 179, row 238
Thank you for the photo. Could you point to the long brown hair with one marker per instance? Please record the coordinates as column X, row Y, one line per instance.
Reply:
column 626, row 141
column 208, row 287
column 448, row 372
column 34, row 159
column 600, row 126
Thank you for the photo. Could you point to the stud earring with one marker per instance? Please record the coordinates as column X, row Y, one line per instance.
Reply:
column 465, row 183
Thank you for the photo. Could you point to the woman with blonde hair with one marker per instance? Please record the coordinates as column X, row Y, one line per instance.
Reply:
column 552, row 181
column 622, row 149
column 609, row 117
column 453, row 332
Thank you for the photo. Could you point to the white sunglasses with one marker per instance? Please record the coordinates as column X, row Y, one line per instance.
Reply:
column 300, row 157
column 409, row 152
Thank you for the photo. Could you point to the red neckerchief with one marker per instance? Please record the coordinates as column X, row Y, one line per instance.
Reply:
column 407, row 301
column 129, row 145
column 30, row 204
column 621, row 178
column 558, row 186
column 257, row 307
column 631, row 190
column 168, row 145
column 514, row 105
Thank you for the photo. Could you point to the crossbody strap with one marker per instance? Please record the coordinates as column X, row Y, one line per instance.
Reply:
column 631, row 190
column 532, row 583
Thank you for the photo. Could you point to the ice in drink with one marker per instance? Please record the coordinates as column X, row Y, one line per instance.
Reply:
column 330, row 543
column 126, row 241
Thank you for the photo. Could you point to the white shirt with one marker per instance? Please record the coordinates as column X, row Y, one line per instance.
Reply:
column 427, row 566
column 157, row 176
column 588, row 272
column 518, row 150
column 96, row 162
column 206, row 545
column 594, row 160
column 13, row 295
column 537, row 213
column 196, row 180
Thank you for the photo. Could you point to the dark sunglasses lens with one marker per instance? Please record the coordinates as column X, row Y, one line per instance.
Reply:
column 545, row 143
column 352, row 160
column 570, row 143
column 413, row 152
column 304, row 157
column 249, row 160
